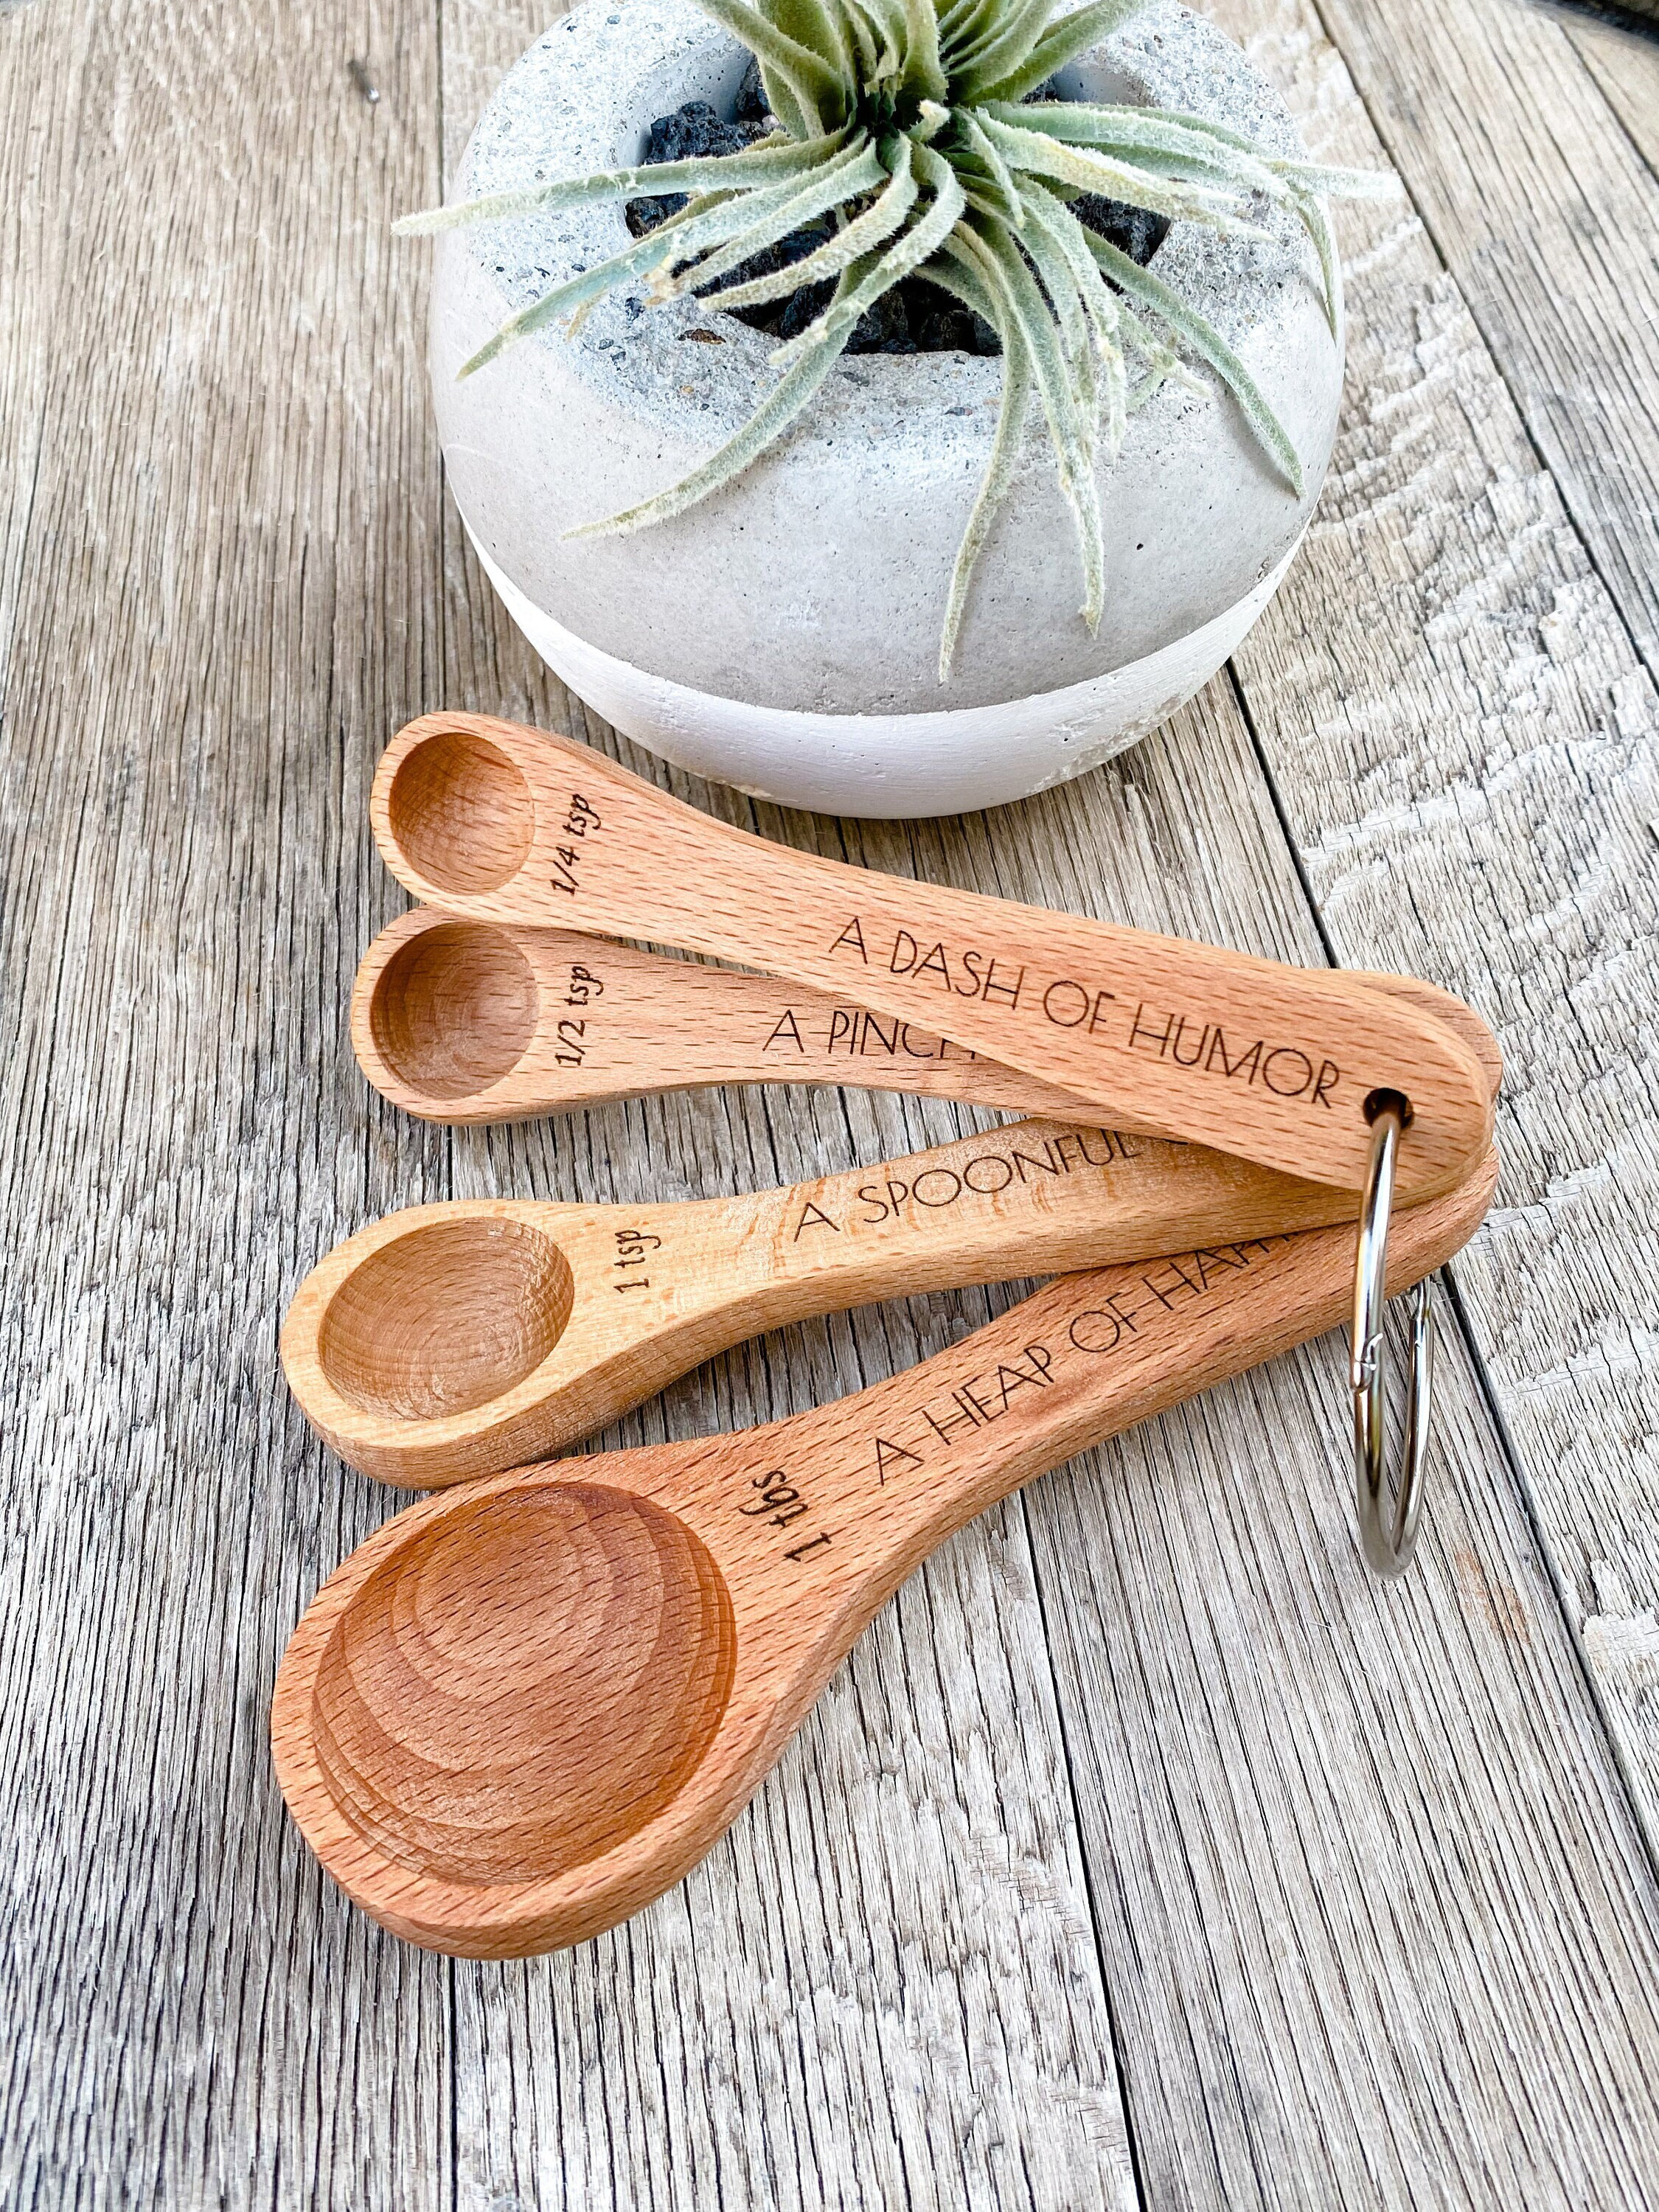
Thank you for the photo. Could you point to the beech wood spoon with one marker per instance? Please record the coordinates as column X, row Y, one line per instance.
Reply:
column 465, row 1021
column 506, row 824
column 450, row 1341
column 522, row 1709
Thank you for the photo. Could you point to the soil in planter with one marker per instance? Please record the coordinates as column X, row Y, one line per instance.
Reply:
column 916, row 316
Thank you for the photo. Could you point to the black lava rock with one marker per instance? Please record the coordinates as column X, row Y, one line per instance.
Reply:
column 801, row 309
column 1133, row 230
column 751, row 106
column 766, row 263
column 940, row 324
column 692, row 132
column 885, row 328
column 643, row 215
column 916, row 316
column 695, row 132
column 958, row 330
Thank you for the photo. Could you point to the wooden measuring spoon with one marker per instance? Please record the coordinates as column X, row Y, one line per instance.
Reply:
column 522, row 1709
column 506, row 824
column 449, row 1341
column 452, row 1341
column 465, row 1021
column 470, row 1021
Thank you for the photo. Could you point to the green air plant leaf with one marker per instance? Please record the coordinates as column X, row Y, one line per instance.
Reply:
column 776, row 160
column 1011, row 282
column 1206, row 342
column 999, row 40
column 885, row 214
column 1005, row 451
column 1069, row 36
column 910, row 129
column 847, row 177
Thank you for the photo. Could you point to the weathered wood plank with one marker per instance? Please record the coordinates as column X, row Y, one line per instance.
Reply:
column 1337, row 1932
column 1545, row 214
column 1244, row 1778
column 883, row 1987
column 46, row 50
column 1468, row 747
column 234, row 581
column 220, row 575
column 1626, row 68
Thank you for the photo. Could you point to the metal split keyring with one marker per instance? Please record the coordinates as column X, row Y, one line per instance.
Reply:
column 1387, row 1549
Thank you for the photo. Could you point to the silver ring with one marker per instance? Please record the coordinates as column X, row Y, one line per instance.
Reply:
column 1387, row 1549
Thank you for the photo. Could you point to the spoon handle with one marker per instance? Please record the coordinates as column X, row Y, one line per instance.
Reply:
column 880, row 1478
column 503, row 823
column 466, row 1022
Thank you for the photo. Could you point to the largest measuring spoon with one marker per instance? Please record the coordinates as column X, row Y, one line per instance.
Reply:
column 523, row 1709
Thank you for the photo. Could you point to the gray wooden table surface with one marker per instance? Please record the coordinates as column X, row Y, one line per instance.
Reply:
column 1145, row 1852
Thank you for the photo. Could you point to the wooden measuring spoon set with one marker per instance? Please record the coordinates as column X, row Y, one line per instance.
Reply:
column 527, row 1705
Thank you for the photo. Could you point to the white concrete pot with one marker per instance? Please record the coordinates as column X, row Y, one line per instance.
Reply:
column 783, row 636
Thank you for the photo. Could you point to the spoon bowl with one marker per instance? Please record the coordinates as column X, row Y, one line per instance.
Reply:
column 521, row 1711
column 449, row 1742
column 462, row 809
column 444, row 1319
column 455, row 1008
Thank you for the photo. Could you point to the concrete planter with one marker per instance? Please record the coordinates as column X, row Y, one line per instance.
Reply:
column 783, row 635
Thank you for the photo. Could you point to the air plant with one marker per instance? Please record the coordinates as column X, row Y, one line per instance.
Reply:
column 922, row 130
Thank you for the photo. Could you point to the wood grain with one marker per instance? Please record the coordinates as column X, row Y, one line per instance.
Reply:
column 465, row 1021
column 217, row 464
column 1488, row 706
column 535, row 2117
column 1626, row 68
column 920, row 1965
column 462, row 1021
column 1236, row 2098
column 1544, row 211
column 504, row 823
